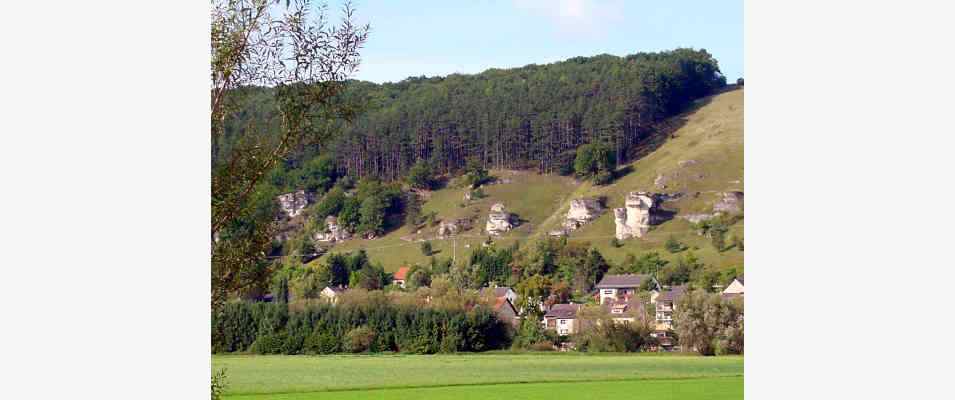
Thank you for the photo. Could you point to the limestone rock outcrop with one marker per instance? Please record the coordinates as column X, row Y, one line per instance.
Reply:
column 730, row 203
column 292, row 204
column 582, row 211
column 499, row 220
column 635, row 218
column 453, row 227
column 333, row 231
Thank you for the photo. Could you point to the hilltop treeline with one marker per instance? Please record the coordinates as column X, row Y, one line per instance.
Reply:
column 530, row 117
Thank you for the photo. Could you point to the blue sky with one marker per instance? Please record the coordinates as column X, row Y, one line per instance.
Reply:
column 413, row 38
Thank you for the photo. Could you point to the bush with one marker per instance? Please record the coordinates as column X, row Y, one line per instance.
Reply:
column 270, row 344
column 359, row 340
column 218, row 384
column 322, row 342
column 616, row 243
column 545, row 345
column 426, row 248
column 673, row 245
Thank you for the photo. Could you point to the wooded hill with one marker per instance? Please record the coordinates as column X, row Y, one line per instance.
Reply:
column 533, row 117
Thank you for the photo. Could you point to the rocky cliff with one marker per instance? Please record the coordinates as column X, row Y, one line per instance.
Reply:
column 635, row 218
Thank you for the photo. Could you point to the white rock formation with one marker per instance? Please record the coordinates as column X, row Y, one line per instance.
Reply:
column 731, row 202
column 498, row 221
column 453, row 227
column 581, row 211
column 634, row 220
column 292, row 204
column 333, row 231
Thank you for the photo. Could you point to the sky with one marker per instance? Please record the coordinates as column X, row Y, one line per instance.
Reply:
column 418, row 37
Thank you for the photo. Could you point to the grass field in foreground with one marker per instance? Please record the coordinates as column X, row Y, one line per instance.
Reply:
column 663, row 389
column 299, row 374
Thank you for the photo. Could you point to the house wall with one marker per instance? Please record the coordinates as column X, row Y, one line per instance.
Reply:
column 566, row 326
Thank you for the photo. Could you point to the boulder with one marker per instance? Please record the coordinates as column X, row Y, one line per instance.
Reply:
column 292, row 204
column 635, row 218
column 582, row 211
column 453, row 227
column 499, row 220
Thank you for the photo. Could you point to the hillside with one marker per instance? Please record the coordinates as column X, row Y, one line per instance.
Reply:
column 698, row 153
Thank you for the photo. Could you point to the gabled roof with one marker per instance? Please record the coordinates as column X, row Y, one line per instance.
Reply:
column 501, row 302
column 622, row 281
column 563, row 311
column 499, row 291
column 672, row 295
column 402, row 273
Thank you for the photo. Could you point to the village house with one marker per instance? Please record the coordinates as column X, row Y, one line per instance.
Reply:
column 400, row 276
column 621, row 288
column 625, row 312
column 563, row 319
column 735, row 287
column 505, row 311
column 502, row 291
column 331, row 293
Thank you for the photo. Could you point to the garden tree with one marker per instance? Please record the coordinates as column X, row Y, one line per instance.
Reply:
column 418, row 277
column 280, row 289
column 531, row 293
column 335, row 270
column 305, row 63
column 647, row 263
column 530, row 334
column 599, row 332
column 420, row 176
column 702, row 320
column 440, row 266
column 680, row 272
column 718, row 237
column 426, row 248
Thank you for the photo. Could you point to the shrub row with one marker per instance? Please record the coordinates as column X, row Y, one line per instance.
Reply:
column 269, row 328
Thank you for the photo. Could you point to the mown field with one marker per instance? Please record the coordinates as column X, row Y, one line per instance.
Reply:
column 484, row 376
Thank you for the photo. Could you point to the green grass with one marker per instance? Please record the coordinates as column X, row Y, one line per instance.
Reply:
column 673, row 389
column 711, row 134
column 305, row 375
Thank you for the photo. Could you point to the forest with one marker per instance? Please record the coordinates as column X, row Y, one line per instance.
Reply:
column 532, row 117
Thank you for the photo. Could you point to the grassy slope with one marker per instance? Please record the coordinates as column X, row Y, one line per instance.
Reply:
column 711, row 134
column 681, row 389
column 300, row 374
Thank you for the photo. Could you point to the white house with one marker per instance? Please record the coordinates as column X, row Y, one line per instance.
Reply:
column 401, row 276
column 735, row 287
column 621, row 288
column 563, row 319
column 331, row 293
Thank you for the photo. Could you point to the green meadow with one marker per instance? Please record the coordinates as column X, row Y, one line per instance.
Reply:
column 484, row 376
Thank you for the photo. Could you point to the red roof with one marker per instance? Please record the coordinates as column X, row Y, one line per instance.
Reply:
column 401, row 274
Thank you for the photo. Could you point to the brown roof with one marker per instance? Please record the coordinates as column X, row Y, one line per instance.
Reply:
column 401, row 274
column 672, row 295
column 501, row 302
column 727, row 296
column 563, row 311
column 622, row 281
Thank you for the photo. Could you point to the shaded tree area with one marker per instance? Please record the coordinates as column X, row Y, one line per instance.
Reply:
column 533, row 117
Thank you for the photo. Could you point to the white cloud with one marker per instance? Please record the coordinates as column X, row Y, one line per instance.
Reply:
column 591, row 17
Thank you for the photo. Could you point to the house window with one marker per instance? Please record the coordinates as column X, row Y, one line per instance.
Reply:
column 563, row 322
column 610, row 291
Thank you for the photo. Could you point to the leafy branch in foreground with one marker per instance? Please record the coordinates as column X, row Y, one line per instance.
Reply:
column 307, row 62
